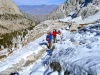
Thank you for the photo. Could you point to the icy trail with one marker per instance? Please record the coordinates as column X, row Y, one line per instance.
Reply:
column 80, row 59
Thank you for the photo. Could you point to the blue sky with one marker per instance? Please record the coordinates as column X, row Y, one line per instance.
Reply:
column 38, row 2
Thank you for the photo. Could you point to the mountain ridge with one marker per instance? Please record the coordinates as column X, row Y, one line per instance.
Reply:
column 40, row 11
column 78, row 8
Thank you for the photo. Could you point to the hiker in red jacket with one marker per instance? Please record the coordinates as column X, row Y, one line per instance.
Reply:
column 54, row 33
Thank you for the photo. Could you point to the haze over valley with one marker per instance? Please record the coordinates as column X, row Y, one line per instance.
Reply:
column 39, row 11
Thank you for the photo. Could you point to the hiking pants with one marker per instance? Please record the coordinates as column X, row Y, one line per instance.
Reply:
column 49, row 45
column 54, row 40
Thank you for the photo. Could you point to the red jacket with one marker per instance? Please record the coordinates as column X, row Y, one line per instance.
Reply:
column 54, row 33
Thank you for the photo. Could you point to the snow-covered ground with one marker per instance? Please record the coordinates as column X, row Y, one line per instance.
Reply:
column 79, row 56
column 79, row 20
column 76, row 52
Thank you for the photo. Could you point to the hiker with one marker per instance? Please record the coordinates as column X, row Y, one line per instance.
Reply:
column 54, row 33
column 59, row 37
column 49, row 39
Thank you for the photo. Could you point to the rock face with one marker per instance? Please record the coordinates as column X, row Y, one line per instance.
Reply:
column 12, row 19
column 7, row 6
column 14, row 25
column 75, row 8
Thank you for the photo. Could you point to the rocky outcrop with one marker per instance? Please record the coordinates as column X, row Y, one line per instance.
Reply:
column 12, row 19
column 76, row 8
column 33, row 18
column 13, row 22
column 7, row 6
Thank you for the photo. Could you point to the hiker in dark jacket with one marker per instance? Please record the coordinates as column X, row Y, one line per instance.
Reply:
column 54, row 33
column 49, row 39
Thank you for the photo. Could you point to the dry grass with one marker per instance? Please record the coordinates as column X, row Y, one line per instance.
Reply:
column 3, row 56
column 73, row 30
column 82, row 25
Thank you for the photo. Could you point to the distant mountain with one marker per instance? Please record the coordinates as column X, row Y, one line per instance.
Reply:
column 76, row 8
column 40, row 11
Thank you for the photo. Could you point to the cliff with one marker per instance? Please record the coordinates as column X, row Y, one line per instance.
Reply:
column 75, row 8
column 12, row 19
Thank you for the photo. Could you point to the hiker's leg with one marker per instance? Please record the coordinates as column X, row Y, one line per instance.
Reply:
column 54, row 39
column 50, row 45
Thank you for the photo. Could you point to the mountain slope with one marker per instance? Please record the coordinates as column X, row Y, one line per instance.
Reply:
column 8, row 6
column 13, row 22
column 77, row 53
column 76, row 8
column 11, row 18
